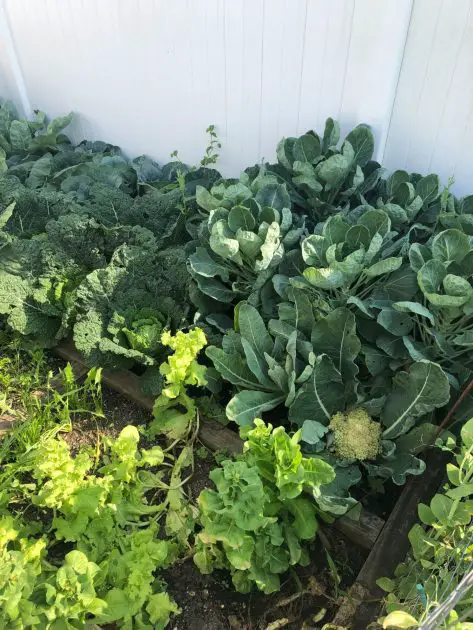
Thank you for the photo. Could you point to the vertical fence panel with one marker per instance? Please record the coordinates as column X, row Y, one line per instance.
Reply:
column 432, row 121
column 150, row 75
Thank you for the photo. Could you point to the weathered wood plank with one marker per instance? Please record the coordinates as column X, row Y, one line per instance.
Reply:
column 363, row 532
column 393, row 543
column 6, row 423
column 363, row 602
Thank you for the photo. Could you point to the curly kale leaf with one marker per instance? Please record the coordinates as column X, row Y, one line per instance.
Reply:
column 37, row 287
column 120, row 309
column 91, row 244
column 33, row 208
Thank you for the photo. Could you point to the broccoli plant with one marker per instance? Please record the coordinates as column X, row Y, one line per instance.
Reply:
column 257, row 521
column 317, row 370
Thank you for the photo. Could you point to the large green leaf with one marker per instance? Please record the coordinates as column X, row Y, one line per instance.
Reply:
column 40, row 171
column 395, row 322
column 415, row 393
column 333, row 170
column 215, row 289
column 376, row 220
column 428, row 188
column 222, row 242
column 20, row 135
column 247, row 405
column 335, row 229
column 387, row 265
column 361, row 139
column 414, row 307
column 324, row 278
column 306, row 148
column 335, row 335
column 320, row 396
column 305, row 176
column 202, row 263
column 240, row 217
column 253, row 329
column 418, row 255
column 232, row 367
column 430, row 276
column 305, row 522
column 450, row 246
column 401, row 285
column 284, row 151
column 331, row 134
column 274, row 196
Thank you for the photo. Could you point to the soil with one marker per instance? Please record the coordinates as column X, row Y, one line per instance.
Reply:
column 118, row 413
column 209, row 601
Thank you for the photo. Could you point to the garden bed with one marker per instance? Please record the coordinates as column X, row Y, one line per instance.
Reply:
column 388, row 541
column 322, row 307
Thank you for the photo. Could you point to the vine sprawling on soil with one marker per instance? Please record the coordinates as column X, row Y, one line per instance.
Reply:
column 318, row 304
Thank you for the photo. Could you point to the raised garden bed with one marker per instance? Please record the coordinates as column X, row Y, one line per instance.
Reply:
column 387, row 541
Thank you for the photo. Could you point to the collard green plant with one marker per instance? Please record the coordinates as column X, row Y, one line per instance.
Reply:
column 323, row 177
column 441, row 551
column 245, row 236
column 257, row 520
column 347, row 260
column 443, row 320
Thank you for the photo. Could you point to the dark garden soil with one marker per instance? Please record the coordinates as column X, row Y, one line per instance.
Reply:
column 209, row 602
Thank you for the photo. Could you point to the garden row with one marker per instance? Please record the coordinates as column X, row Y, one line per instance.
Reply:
column 329, row 297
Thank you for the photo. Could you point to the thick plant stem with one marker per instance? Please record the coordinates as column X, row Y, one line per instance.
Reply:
column 448, row 418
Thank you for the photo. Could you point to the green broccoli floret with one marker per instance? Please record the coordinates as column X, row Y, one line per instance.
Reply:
column 355, row 435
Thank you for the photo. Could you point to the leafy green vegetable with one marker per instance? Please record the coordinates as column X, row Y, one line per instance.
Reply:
column 256, row 521
column 440, row 553
column 112, row 302
column 110, row 573
column 323, row 177
column 243, row 239
column 313, row 368
column 180, row 370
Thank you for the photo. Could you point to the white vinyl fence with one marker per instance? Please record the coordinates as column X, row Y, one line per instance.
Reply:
column 151, row 75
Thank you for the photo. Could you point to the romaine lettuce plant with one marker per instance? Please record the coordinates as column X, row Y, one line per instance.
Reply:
column 257, row 520
column 174, row 410
column 109, row 576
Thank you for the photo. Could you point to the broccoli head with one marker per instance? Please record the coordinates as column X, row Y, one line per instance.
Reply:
column 355, row 435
